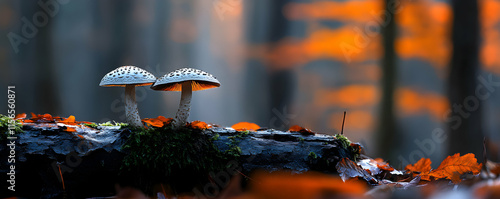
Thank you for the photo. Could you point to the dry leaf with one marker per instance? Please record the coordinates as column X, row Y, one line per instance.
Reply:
column 70, row 129
column 81, row 136
column 301, row 130
column 198, row 125
column 348, row 169
column 244, row 126
column 422, row 167
column 457, row 164
column 493, row 167
column 160, row 121
column 20, row 116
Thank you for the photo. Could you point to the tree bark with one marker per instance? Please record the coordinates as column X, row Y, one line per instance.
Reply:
column 387, row 123
column 465, row 136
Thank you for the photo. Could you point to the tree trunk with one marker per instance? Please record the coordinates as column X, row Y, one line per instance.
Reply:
column 465, row 136
column 387, row 124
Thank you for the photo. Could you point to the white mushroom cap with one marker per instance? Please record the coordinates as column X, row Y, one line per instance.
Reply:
column 128, row 75
column 201, row 80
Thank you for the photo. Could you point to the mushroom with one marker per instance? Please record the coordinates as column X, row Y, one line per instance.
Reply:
column 129, row 77
column 185, row 80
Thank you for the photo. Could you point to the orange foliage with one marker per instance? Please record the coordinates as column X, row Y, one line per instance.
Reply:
column 321, row 44
column 425, row 27
column 160, row 121
column 302, row 130
column 457, row 164
column 70, row 129
column 355, row 120
column 451, row 168
column 199, row 125
column 279, row 185
column 412, row 102
column 345, row 11
column 244, row 126
column 41, row 118
column 20, row 116
column 348, row 96
column 381, row 164
column 81, row 136
column 423, row 167
column 490, row 49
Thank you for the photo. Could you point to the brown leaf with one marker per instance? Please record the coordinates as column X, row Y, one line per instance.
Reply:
column 493, row 167
column 198, row 125
column 348, row 169
column 160, row 121
column 244, row 126
column 457, row 164
column 301, row 130
column 45, row 118
column 20, row 116
column 422, row 167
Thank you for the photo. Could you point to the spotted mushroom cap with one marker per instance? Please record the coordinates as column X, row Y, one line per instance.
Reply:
column 200, row 80
column 128, row 75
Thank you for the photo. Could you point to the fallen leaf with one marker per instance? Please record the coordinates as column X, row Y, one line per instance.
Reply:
column 81, row 136
column 70, row 129
column 381, row 164
column 198, row 125
column 301, row 130
column 20, row 116
column 160, row 121
column 244, row 126
column 493, row 167
column 45, row 118
column 457, row 164
column 422, row 168
column 69, row 121
column 349, row 169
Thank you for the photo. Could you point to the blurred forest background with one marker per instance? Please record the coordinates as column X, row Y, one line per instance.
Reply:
column 412, row 74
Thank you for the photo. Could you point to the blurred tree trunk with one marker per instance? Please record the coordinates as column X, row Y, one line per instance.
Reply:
column 387, row 122
column 467, row 136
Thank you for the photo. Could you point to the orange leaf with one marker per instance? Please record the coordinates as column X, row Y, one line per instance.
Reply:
column 70, row 120
column 302, row 130
column 160, row 121
column 243, row 126
column 70, row 129
column 198, row 125
column 383, row 165
column 457, row 164
column 493, row 167
column 423, row 166
column 20, row 116
column 81, row 136
column 41, row 118
column 153, row 122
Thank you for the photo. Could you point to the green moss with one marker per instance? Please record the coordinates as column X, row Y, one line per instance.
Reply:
column 4, row 126
column 92, row 125
column 354, row 149
column 312, row 155
column 172, row 156
column 345, row 142
column 114, row 124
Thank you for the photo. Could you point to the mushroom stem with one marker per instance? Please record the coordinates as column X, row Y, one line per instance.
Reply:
column 131, row 111
column 185, row 105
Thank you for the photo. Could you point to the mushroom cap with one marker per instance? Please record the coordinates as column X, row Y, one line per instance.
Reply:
column 128, row 75
column 200, row 80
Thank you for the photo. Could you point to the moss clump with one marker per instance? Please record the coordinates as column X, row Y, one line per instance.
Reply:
column 354, row 149
column 180, row 157
column 312, row 155
column 4, row 126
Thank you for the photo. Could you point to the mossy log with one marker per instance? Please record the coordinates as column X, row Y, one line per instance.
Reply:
column 92, row 160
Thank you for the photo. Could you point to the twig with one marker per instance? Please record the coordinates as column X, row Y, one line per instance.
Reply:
column 62, row 179
column 342, row 131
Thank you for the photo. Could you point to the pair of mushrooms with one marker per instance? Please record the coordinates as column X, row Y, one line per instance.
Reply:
column 185, row 80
